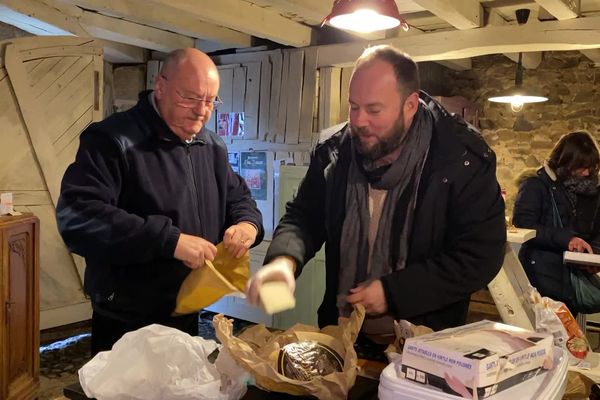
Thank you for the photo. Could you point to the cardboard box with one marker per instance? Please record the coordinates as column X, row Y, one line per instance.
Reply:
column 478, row 359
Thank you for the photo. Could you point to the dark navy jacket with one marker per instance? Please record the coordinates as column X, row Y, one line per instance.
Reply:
column 134, row 186
column 542, row 257
column 458, row 238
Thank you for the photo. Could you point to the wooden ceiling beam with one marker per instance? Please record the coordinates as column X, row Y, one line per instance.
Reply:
column 122, row 31
column 245, row 17
column 39, row 18
column 120, row 53
column 166, row 18
column 560, row 9
column 460, row 64
column 463, row 64
column 461, row 14
column 45, row 18
column 593, row 55
column 574, row 34
column 50, row 18
column 530, row 60
column 311, row 12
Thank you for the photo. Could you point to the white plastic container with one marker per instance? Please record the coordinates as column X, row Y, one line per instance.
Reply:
column 546, row 386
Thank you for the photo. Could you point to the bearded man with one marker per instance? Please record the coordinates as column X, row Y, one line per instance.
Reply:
column 406, row 201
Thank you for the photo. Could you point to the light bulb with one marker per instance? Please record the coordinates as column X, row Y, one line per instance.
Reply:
column 364, row 21
column 516, row 104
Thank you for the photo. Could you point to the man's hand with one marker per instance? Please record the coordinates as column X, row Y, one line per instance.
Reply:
column 279, row 269
column 580, row 245
column 238, row 238
column 194, row 250
column 371, row 296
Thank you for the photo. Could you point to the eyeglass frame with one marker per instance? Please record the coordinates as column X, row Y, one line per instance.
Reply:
column 213, row 104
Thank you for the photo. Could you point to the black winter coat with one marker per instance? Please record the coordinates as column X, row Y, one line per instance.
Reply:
column 542, row 257
column 134, row 186
column 458, row 237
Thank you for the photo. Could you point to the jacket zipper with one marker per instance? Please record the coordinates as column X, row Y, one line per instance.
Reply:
column 192, row 176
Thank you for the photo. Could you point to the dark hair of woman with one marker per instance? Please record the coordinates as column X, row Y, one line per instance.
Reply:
column 573, row 151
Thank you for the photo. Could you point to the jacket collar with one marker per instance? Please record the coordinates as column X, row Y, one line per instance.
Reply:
column 549, row 171
column 159, row 127
column 453, row 137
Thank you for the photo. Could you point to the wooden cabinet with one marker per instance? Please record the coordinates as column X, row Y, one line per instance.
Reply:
column 19, row 311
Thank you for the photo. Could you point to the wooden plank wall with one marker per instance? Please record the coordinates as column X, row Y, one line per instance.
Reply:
column 286, row 98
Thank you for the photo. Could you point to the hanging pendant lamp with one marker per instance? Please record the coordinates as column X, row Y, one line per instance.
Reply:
column 365, row 15
column 519, row 95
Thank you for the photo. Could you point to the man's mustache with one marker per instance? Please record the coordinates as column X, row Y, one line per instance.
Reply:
column 355, row 130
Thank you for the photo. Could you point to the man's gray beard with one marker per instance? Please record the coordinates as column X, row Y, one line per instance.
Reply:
column 383, row 147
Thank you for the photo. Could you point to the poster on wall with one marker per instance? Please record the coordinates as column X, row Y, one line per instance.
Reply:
column 234, row 161
column 230, row 124
column 254, row 171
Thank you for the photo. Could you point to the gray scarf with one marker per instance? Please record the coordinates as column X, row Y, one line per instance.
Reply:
column 354, row 246
column 580, row 185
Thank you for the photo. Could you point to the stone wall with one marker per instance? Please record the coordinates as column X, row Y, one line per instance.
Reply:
column 524, row 140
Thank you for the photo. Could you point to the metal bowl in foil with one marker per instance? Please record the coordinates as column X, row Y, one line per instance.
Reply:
column 307, row 359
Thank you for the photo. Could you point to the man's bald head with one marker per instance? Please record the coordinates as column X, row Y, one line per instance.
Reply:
column 188, row 58
column 185, row 89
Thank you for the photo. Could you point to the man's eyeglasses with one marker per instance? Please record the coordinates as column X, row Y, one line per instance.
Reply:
column 194, row 102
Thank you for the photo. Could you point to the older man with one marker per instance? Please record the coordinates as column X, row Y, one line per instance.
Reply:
column 405, row 199
column 149, row 195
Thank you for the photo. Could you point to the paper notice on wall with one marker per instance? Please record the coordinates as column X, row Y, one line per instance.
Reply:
column 254, row 171
column 230, row 124
column 6, row 204
column 234, row 161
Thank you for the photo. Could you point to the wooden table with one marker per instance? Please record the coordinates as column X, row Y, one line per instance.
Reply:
column 363, row 389
column 510, row 287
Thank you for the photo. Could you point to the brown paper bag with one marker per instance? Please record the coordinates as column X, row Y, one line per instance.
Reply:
column 258, row 351
column 578, row 387
column 205, row 285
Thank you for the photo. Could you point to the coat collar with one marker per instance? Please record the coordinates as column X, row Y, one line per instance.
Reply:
column 550, row 172
column 160, row 127
column 453, row 138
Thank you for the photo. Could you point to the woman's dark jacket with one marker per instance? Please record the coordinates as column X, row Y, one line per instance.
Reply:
column 542, row 257
column 133, row 188
column 458, row 237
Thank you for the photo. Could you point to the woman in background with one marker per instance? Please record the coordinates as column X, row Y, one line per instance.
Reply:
column 560, row 201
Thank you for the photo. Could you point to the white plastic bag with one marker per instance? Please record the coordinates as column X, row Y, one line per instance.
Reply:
column 155, row 363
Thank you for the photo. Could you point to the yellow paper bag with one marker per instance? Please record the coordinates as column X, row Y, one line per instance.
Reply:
column 205, row 285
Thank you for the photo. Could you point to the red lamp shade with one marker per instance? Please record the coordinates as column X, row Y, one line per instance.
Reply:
column 365, row 15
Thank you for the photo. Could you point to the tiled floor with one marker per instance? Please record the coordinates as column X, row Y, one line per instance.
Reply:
column 60, row 360
column 59, row 364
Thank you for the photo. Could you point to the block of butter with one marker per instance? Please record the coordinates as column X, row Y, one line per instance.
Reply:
column 276, row 297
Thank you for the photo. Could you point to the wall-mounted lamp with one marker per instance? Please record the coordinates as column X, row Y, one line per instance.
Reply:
column 365, row 15
column 519, row 95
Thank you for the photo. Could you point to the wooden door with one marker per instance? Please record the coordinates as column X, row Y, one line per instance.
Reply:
column 50, row 91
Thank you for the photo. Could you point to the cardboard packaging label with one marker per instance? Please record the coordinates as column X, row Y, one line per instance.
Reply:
column 477, row 360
